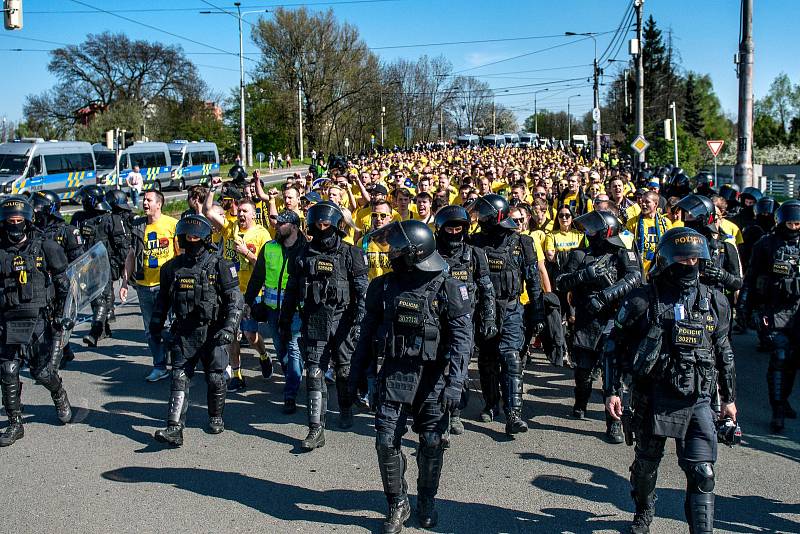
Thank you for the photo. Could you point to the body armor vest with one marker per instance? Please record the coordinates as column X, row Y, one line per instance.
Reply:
column 412, row 318
column 679, row 349
column 26, row 285
column 462, row 268
column 783, row 282
column 504, row 269
column 194, row 297
column 326, row 289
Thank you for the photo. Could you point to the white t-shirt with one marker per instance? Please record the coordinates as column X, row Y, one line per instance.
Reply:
column 134, row 180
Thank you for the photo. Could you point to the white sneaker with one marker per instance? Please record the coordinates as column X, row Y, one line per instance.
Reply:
column 157, row 374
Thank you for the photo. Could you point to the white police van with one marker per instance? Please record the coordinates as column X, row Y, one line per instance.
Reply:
column 512, row 139
column 195, row 162
column 528, row 139
column 466, row 141
column 33, row 164
column 493, row 140
column 154, row 164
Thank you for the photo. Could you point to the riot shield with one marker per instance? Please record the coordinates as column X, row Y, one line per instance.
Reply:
column 88, row 276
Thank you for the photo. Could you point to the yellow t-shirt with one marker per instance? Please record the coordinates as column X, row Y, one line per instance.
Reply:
column 646, row 236
column 377, row 257
column 538, row 239
column 730, row 232
column 363, row 218
column 159, row 247
column 254, row 238
column 560, row 241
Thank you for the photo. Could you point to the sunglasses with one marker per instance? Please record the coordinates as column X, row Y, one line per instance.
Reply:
column 540, row 195
column 564, row 216
column 518, row 221
column 381, row 216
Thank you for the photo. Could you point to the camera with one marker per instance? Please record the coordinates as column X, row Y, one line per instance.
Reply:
column 729, row 432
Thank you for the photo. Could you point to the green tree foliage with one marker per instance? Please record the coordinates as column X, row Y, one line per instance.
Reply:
column 692, row 116
column 777, row 114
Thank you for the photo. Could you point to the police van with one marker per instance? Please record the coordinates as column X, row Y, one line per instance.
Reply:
column 528, row 140
column 33, row 164
column 195, row 162
column 152, row 159
column 465, row 141
column 512, row 139
column 493, row 140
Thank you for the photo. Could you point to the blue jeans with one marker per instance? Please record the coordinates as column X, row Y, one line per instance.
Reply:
column 134, row 194
column 288, row 354
column 147, row 301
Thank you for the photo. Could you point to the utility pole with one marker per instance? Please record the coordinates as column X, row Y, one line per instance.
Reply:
column 300, row 114
column 596, row 110
column 674, row 133
column 638, row 6
column 242, row 135
column 494, row 108
column 743, row 172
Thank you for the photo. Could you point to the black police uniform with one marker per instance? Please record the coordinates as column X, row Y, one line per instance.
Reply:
column 328, row 280
column 764, row 222
column 674, row 369
column 34, row 289
column 98, row 224
column 46, row 206
column 469, row 265
column 202, row 290
column 772, row 289
column 512, row 262
column 599, row 277
column 420, row 322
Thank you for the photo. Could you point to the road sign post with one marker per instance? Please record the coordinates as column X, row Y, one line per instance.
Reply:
column 260, row 157
column 640, row 144
column 715, row 146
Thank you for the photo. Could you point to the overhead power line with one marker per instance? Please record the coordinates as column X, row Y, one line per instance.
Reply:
column 189, row 9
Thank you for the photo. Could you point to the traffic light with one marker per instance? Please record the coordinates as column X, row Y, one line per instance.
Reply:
column 110, row 140
column 12, row 11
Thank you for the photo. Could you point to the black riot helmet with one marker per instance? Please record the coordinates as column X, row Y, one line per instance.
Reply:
column 676, row 246
column 451, row 216
column 679, row 185
column 599, row 227
column 411, row 246
column 491, row 211
column 93, row 198
column 16, row 206
column 730, row 192
column 116, row 198
column 789, row 211
column 766, row 207
column 699, row 213
column 46, row 204
column 194, row 225
column 704, row 184
column 752, row 193
column 329, row 212
column 237, row 173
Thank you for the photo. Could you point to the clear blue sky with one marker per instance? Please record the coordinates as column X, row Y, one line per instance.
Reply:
column 705, row 32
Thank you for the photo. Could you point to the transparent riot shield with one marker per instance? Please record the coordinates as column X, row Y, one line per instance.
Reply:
column 88, row 276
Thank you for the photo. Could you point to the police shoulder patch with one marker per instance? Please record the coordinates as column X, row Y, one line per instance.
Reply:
column 464, row 293
column 233, row 271
column 631, row 255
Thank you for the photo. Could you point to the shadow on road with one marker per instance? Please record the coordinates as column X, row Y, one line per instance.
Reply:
column 738, row 513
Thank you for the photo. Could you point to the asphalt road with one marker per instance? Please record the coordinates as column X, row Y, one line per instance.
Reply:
column 169, row 195
column 105, row 473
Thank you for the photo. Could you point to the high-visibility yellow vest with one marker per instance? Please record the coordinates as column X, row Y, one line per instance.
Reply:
column 275, row 274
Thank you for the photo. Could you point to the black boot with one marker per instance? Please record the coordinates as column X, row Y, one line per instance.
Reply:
column 488, row 413
column 392, row 465
column 643, row 517
column 216, row 402
column 63, row 408
column 11, row 390
column 66, row 356
column 176, row 415
column 96, row 333
column 430, row 457
column 644, row 474
column 614, row 431
column 583, row 391
column 317, row 409
column 345, row 404
column 699, row 509
column 515, row 424
column 776, row 425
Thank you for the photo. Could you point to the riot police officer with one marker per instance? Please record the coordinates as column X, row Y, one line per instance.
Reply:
column 419, row 320
column 329, row 277
column 468, row 265
column 48, row 219
column 670, row 342
column 764, row 212
column 748, row 199
column 772, row 288
column 34, row 291
column 512, row 262
column 202, row 289
column 97, row 223
column 598, row 276
column 723, row 270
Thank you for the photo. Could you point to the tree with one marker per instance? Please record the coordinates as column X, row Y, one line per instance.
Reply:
column 661, row 82
column 327, row 58
column 472, row 100
column 106, row 70
column 692, row 112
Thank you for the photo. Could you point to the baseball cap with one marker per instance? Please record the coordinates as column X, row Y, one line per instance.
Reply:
column 288, row 217
column 380, row 188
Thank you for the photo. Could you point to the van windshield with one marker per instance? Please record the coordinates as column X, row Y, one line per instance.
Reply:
column 104, row 160
column 13, row 163
column 176, row 157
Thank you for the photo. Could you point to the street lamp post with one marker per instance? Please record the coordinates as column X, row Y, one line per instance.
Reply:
column 242, row 128
column 569, row 119
column 536, row 110
column 596, row 101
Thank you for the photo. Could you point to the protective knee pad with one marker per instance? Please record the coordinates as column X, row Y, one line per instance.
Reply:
column 9, row 371
column 317, row 394
column 430, row 443
column 513, row 363
column 178, row 403
column 179, row 380
column 47, row 376
column 699, row 477
column 429, row 462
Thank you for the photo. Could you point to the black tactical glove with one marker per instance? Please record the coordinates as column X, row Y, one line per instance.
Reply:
column 596, row 303
column 225, row 336
column 63, row 323
column 593, row 272
column 451, row 398
column 717, row 275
